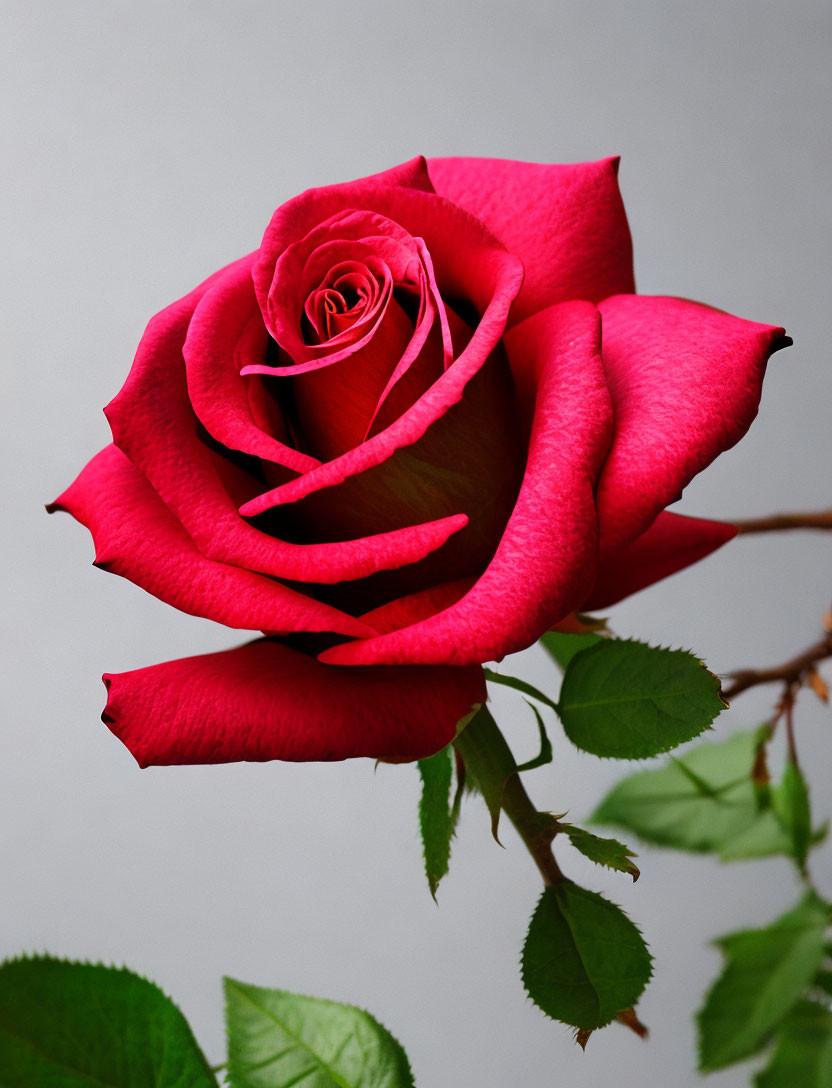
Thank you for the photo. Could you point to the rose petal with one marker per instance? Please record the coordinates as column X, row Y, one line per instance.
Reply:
column 137, row 537
column 685, row 382
column 225, row 332
column 565, row 222
column 546, row 561
column 672, row 543
column 153, row 423
column 266, row 701
column 416, row 606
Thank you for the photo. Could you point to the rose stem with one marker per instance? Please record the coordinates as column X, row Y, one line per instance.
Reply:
column 821, row 519
column 489, row 759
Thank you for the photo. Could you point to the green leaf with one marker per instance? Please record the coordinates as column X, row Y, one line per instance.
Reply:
column 628, row 700
column 520, row 685
column 436, row 815
column 564, row 647
column 277, row 1039
column 700, row 801
column 791, row 806
column 583, row 961
column 803, row 1058
column 488, row 761
column 75, row 1025
column 608, row 852
column 544, row 756
column 765, row 973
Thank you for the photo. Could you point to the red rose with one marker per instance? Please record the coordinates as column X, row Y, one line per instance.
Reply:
column 422, row 424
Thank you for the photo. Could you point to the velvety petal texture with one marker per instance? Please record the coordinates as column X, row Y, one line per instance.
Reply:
column 672, row 543
column 566, row 223
column 266, row 701
column 426, row 421
column 685, row 382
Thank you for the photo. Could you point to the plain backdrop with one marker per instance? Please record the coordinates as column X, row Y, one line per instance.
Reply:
column 146, row 144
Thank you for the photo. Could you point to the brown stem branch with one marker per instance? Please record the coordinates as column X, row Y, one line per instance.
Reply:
column 819, row 519
column 791, row 673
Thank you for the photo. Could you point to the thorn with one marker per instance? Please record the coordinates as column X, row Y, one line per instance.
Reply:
column 818, row 684
column 628, row 1018
column 582, row 1037
column 495, row 823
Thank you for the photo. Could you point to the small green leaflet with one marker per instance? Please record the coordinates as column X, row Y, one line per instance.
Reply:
column 608, row 852
column 791, row 807
column 564, row 647
column 627, row 700
column 583, row 961
column 79, row 1024
column 704, row 800
column 803, row 1058
column 277, row 1039
column 436, row 815
column 520, row 685
column 544, row 756
column 765, row 973
column 488, row 761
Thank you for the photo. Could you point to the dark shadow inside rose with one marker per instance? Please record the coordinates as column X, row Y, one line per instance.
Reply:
column 469, row 461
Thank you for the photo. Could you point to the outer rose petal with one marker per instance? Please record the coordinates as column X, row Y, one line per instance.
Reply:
column 546, row 561
column 266, row 701
column 671, row 543
column 685, row 382
column 566, row 223
column 136, row 536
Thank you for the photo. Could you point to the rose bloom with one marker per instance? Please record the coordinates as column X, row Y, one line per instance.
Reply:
column 425, row 422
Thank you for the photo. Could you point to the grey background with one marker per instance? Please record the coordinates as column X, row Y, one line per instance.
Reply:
column 148, row 143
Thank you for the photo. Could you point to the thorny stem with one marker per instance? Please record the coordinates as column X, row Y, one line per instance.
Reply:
column 490, row 760
column 526, row 819
column 820, row 519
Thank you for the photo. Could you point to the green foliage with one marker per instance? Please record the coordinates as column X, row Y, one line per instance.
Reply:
column 704, row 800
column 608, row 852
column 544, row 756
column 277, row 1039
column 520, row 685
column 583, row 961
column 803, row 1058
column 765, row 973
column 791, row 806
column 563, row 647
column 628, row 700
column 72, row 1025
column 437, row 816
column 699, row 801
column 488, row 761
